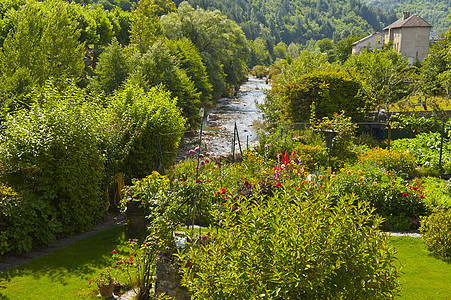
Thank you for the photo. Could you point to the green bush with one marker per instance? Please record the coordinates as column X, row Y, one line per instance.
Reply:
column 437, row 232
column 25, row 222
column 58, row 139
column 437, row 191
column 330, row 91
column 399, row 203
column 283, row 248
column 142, row 131
column 398, row 162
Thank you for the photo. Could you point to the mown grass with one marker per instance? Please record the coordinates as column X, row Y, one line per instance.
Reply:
column 422, row 276
column 65, row 273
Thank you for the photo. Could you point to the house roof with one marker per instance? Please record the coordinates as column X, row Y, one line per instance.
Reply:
column 368, row 37
column 411, row 21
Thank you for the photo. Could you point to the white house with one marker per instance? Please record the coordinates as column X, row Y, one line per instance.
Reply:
column 410, row 37
column 373, row 41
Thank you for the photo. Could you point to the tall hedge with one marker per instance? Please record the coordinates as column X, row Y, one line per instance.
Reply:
column 332, row 92
column 51, row 152
column 144, row 129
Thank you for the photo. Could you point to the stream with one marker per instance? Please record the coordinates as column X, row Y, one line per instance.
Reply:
column 241, row 110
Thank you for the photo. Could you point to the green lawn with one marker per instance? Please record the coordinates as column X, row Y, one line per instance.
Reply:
column 423, row 276
column 65, row 273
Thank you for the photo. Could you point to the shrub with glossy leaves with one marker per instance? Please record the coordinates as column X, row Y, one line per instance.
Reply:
column 284, row 248
column 437, row 232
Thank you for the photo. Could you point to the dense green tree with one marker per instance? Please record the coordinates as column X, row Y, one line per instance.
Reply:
column 343, row 48
column 42, row 44
column 300, row 20
column 191, row 61
column 383, row 74
column 158, row 66
column 220, row 42
column 280, row 50
column 120, row 19
column 145, row 25
column 143, row 127
column 112, row 70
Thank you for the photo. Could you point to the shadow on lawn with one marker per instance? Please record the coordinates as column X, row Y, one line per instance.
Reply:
column 82, row 260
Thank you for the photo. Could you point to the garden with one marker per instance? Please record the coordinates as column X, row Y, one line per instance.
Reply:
column 278, row 224
column 309, row 214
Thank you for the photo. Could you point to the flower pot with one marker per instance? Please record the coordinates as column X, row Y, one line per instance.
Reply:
column 106, row 290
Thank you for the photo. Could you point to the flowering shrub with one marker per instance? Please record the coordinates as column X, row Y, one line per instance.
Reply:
column 399, row 203
column 105, row 278
column 437, row 232
column 401, row 163
column 280, row 247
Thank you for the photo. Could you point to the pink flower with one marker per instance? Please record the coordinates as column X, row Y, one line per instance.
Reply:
column 223, row 190
column 114, row 252
column 204, row 238
column 90, row 281
column 197, row 180
column 404, row 194
column 196, row 149
column 201, row 155
column 279, row 155
column 208, row 180
column 214, row 167
column 207, row 160
column 202, row 163
column 191, row 152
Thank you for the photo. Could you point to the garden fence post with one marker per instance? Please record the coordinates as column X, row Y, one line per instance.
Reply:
column 233, row 145
column 441, row 145
column 238, row 138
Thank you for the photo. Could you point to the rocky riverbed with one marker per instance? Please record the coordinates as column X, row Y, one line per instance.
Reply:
column 240, row 109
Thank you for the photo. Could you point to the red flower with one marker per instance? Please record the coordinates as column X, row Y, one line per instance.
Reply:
column 414, row 188
column 279, row 184
column 404, row 194
column 183, row 179
column 422, row 196
column 286, row 159
column 208, row 180
column 223, row 190
column 114, row 252
column 197, row 180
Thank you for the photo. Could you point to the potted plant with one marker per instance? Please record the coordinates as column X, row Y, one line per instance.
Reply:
column 106, row 282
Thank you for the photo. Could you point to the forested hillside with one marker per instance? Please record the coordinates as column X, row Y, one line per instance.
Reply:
column 301, row 20
column 433, row 11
